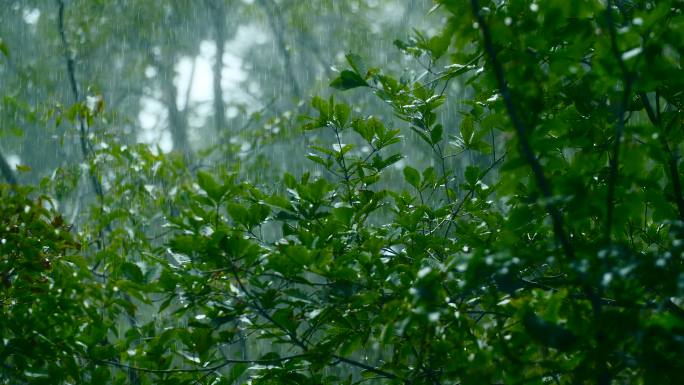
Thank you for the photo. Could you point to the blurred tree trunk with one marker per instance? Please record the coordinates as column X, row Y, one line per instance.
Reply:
column 177, row 119
column 277, row 25
column 219, row 12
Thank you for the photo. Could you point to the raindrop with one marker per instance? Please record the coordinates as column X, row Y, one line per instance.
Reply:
column 631, row 53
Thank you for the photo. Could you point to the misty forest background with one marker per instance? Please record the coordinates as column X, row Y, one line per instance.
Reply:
column 341, row 192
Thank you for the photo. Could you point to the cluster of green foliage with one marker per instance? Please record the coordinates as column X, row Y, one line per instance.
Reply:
column 544, row 243
column 41, row 314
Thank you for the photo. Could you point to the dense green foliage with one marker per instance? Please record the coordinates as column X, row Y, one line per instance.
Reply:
column 510, row 211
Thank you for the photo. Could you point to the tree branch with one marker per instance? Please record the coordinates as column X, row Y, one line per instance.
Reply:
column 619, row 125
column 542, row 183
column 470, row 192
column 521, row 131
column 71, row 72
column 296, row 341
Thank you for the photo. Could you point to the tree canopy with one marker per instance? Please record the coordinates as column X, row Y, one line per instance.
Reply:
column 368, row 192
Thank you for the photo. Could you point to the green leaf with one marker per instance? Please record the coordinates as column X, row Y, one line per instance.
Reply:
column 132, row 272
column 236, row 370
column 548, row 333
column 4, row 49
column 258, row 213
column 356, row 63
column 321, row 105
column 23, row 168
column 436, row 133
column 209, row 185
column 344, row 214
column 327, row 163
column 364, row 129
column 279, row 201
column 285, row 318
column 412, row 176
column 289, row 180
column 238, row 247
column 472, row 174
column 184, row 244
column 342, row 113
column 438, row 44
column 239, row 213
column 376, row 127
column 467, row 130
column 348, row 80
column 429, row 175
column 380, row 163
